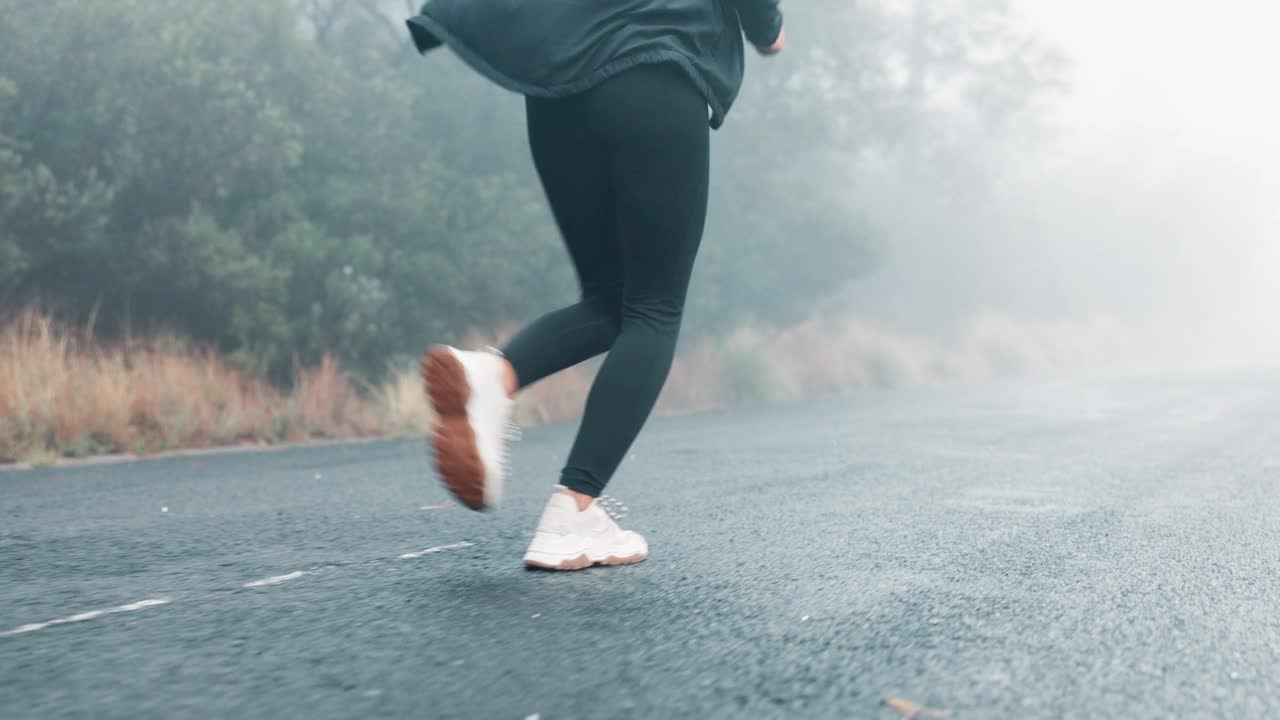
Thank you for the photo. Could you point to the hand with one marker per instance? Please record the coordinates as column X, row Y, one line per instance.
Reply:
column 777, row 45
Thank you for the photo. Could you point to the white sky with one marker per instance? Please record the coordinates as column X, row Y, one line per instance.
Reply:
column 1181, row 93
column 1183, row 77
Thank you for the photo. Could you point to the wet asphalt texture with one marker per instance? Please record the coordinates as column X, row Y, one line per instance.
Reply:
column 1085, row 548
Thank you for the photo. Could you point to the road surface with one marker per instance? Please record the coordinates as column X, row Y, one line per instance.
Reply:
column 1077, row 549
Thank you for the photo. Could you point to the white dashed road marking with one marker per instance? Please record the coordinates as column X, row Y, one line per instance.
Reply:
column 442, row 548
column 144, row 604
column 275, row 580
column 140, row 605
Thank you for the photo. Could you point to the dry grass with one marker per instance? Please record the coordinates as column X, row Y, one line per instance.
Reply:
column 62, row 394
column 757, row 366
column 402, row 404
column 324, row 403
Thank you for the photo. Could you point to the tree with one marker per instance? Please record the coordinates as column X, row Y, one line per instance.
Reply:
column 284, row 178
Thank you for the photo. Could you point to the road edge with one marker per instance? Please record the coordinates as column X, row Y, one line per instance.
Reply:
column 126, row 458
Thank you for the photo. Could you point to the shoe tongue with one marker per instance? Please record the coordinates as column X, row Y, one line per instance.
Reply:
column 593, row 514
column 596, row 515
column 560, row 515
column 563, row 501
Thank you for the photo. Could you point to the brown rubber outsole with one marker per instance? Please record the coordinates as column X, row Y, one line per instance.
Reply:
column 582, row 562
column 456, row 454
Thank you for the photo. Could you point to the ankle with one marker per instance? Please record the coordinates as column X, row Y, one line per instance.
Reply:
column 510, row 381
column 581, row 500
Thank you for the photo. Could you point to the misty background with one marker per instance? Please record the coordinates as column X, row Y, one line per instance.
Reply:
column 959, row 189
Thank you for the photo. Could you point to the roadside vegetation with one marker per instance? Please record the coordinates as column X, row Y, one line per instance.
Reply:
column 244, row 220
column 65, row 393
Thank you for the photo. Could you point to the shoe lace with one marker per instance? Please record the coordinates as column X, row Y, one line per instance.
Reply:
column 513, row 432
column 613, row 507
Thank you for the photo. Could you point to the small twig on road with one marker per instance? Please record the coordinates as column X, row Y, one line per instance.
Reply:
column 442, row 506
column 913, row 711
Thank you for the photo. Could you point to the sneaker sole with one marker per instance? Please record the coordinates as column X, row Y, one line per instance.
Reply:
column 582, row 562
column 456, row 454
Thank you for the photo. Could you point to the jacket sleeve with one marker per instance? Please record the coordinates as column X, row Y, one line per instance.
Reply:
column 761, row 20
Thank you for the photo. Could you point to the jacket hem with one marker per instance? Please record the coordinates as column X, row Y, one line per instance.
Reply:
column 421, row 25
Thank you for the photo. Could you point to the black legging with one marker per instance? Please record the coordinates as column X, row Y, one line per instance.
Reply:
column 625, row 168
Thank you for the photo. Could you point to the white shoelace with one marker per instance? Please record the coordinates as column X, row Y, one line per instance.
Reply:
column 513, row 432
column 613, row 506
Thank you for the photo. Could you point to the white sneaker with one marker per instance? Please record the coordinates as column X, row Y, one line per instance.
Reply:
column 472, row 422
column 569, row 539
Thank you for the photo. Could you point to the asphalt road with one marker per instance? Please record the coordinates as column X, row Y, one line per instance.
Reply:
column 1075, row 549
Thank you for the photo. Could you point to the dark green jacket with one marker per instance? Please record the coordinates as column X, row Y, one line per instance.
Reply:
column 554, row 48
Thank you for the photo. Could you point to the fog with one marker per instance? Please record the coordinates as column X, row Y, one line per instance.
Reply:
column 1146, row 201
column 1173, row 119
column 935, row 181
